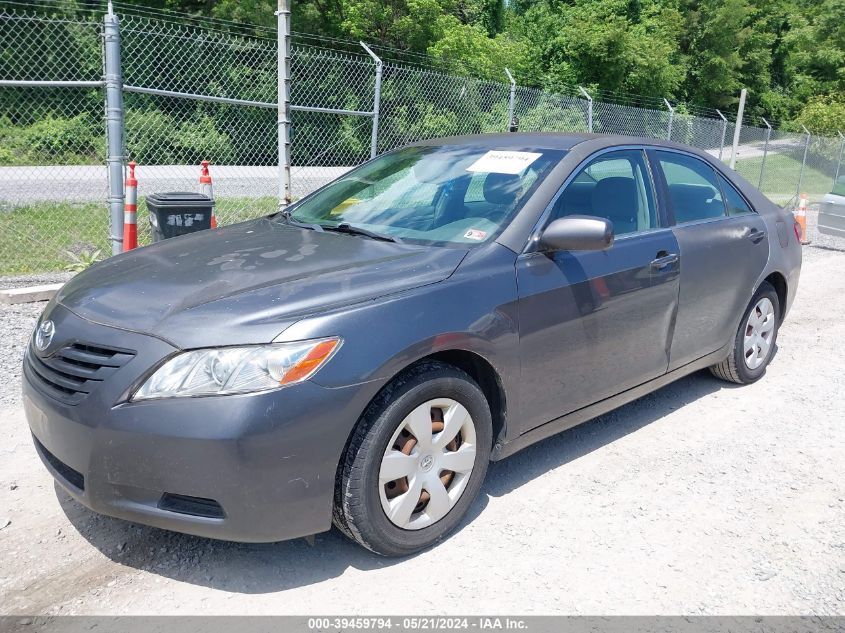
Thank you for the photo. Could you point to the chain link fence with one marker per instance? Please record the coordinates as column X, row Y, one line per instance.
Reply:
column 325, row 144
column 539, row 111
column 193, row 94
column 50, row 134
column 194, row 91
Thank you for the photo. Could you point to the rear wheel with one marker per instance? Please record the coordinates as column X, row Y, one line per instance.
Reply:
column 416, row 461
column 754, row 343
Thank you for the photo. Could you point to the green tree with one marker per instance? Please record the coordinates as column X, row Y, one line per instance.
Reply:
column 814, row 59
column 823, row 115
column 611, row 44
column 789, row 54
column 729, row 48
column 463, row 46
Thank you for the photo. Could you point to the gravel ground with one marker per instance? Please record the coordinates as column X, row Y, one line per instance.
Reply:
column 16, row 324
column 701, row 498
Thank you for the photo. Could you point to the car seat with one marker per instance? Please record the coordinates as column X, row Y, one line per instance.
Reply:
column 615, row 198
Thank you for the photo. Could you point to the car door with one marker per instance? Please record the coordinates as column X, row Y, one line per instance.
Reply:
column 832, row 211
column 723, row 247
column 593, row 324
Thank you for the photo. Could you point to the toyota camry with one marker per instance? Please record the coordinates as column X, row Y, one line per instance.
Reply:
column 359, row 358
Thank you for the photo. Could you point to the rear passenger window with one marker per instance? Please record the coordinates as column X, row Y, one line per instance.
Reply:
column 615, row 186
column 693, row 190
column 735, row 202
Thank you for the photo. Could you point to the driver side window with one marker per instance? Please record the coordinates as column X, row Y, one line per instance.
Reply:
column 616, row 186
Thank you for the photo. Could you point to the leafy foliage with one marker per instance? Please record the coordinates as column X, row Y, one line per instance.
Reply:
column 70, row 141
column 82, row 260
column 790, row 54
column 824, row 114
column 785, row 52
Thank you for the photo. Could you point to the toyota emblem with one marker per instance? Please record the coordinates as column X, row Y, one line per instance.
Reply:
column 44, row 335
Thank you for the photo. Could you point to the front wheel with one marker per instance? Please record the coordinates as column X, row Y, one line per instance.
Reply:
column 415, row 462
column 754, row 343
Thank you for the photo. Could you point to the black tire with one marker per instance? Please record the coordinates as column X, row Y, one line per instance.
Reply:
column 358, row 512
column 733, row 368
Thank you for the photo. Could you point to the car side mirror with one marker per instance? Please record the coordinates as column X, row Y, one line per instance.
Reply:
column 577, row 233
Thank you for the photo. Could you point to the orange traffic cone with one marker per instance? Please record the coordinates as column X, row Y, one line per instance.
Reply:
column 206, row 188
column 130, row 211
column 801, row 217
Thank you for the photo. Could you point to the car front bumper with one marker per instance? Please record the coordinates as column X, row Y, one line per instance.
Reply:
column 254, row 467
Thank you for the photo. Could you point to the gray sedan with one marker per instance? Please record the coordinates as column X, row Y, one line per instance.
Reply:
column 832, row 210
column 360, row 358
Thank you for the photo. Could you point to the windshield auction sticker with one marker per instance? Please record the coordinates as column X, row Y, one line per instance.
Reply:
column 475, row 234
column 504, row 162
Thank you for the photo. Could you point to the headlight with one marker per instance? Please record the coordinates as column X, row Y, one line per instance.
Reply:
column 228, row 370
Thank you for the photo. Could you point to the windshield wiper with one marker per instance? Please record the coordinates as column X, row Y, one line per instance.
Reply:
column 303, row 225
column 357, row 230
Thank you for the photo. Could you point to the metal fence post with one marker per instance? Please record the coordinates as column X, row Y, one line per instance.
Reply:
column 589, row 108
column 839, row 162
column 738, row 126
column 765, row 153
column 671, row 116
column 511, row 101
column 376, row 101
column 803, row 161
column 724, row 130
column 113, row 83
column 283, row 104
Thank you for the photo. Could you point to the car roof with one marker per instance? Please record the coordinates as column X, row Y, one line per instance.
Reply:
column 547, row 140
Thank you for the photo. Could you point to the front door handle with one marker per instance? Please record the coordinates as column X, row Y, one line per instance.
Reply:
column 756, row 236
column 663, row 260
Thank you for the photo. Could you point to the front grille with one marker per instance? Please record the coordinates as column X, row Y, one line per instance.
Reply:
column 74, row 371
column 73, row 477
column 195, row 506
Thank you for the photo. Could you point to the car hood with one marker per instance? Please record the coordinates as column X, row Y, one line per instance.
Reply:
column 246, row 283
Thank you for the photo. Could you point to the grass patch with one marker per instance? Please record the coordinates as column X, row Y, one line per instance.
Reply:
column 780, row 179
column 34, row 238
column 37, row 237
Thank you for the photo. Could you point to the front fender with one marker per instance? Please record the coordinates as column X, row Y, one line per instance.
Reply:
column 474, row 310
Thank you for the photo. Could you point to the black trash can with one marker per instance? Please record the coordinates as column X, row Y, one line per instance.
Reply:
column 178, row 213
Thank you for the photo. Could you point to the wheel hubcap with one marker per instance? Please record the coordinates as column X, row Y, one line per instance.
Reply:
column 759, row 331
column 427, row 464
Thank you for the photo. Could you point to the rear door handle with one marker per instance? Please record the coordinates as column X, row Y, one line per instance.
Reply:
column 756, row 236
column 664, row 260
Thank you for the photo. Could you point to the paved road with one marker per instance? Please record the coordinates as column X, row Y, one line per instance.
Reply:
column 700, row 498
column 88, row 183
column 755, row 149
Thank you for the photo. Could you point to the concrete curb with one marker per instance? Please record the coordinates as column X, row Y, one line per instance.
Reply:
column 30, row 294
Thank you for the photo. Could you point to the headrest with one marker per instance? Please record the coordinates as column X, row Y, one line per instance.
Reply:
column 690, row 193
column 502, row 189
column 690, row 202
column 614, row 196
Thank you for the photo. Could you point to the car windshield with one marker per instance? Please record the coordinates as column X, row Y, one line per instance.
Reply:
column 444, row 195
